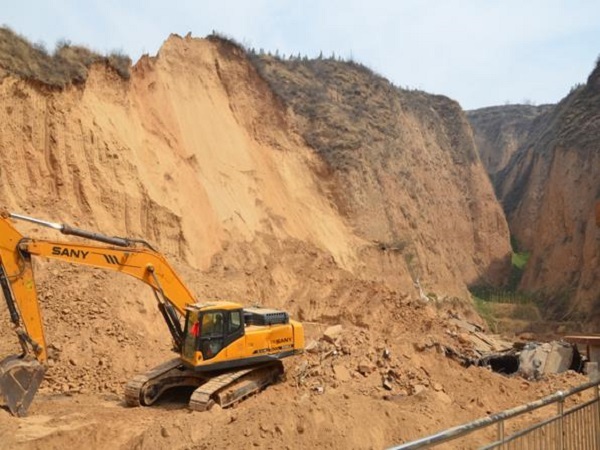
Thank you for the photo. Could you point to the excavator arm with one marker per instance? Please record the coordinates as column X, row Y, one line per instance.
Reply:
column 144, row 264
column 20, row 376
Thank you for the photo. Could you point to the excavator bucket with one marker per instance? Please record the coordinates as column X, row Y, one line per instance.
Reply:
column 20, row 379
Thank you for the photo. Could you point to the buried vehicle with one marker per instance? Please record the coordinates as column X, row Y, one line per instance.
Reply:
column 225, row 352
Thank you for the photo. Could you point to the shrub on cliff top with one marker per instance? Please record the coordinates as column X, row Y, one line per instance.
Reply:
column 68, row 64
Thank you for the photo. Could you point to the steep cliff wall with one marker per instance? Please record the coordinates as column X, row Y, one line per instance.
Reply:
column 191, row 149
column 331, row 214
column 402, row 166
column 548, row 190
column 195, row 152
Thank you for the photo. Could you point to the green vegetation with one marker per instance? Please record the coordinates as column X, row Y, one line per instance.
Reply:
column 520, row 305
column 485, row 311
column 69, row 64
column 519, row 260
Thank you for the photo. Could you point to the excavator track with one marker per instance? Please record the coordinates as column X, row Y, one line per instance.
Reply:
column 223, row 389
column 145, row 389
column 232, row 387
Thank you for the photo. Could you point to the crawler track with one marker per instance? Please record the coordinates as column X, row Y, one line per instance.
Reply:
column 224, row 389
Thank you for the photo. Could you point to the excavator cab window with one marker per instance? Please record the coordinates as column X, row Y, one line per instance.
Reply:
column 235, row 322
column 192, row 332
column 211, row 336
column 218, row 329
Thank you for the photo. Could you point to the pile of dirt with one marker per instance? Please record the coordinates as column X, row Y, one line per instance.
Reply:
column 361, row 387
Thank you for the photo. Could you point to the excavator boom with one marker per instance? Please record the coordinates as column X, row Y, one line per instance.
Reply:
column 21, row 375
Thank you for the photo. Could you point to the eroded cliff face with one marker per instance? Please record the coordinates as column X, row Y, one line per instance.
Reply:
column 402, row 166
column 549, row 189
column 500, row 130
column 192, row 149
column 195, row 152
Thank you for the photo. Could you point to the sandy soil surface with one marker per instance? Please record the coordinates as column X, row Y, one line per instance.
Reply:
column 369, row 386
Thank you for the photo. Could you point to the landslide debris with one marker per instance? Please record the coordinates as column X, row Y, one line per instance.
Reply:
column 198, row 155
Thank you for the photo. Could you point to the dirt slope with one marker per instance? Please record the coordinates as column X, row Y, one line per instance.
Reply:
column 196, row 154
column 548, row 190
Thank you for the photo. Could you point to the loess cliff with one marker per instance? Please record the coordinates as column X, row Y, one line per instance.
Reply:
column 196, row 152
column 548, row 189
column 402, row 168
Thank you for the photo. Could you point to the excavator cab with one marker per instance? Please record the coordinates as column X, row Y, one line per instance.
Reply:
column 222, row 335
column 209, row 330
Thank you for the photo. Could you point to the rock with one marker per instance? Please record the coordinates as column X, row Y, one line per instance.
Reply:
column 319, row 390
column 437, row 387
column 386, row 353
column 312, row 347
column 536, row 359
column 418, row 388
column 366, row 367
column 341, row 373
column 443, row 397
column 332, row 333
column 387, row 384
column 464, row 338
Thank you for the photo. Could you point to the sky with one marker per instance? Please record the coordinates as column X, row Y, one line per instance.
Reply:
column 478, row 52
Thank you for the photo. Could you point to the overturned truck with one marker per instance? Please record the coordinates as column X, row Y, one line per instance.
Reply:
column 533, row 360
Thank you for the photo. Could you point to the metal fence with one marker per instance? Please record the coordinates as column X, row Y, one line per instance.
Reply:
column 574, row 425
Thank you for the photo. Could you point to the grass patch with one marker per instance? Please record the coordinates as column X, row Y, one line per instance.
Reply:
column 519, row 260
column 484, row 309
column 68, row 64
column 508, row 302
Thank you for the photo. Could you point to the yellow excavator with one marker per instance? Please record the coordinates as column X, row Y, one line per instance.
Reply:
column 225, row 351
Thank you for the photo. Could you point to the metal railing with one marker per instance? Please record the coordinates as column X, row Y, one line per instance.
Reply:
column 570, row 428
